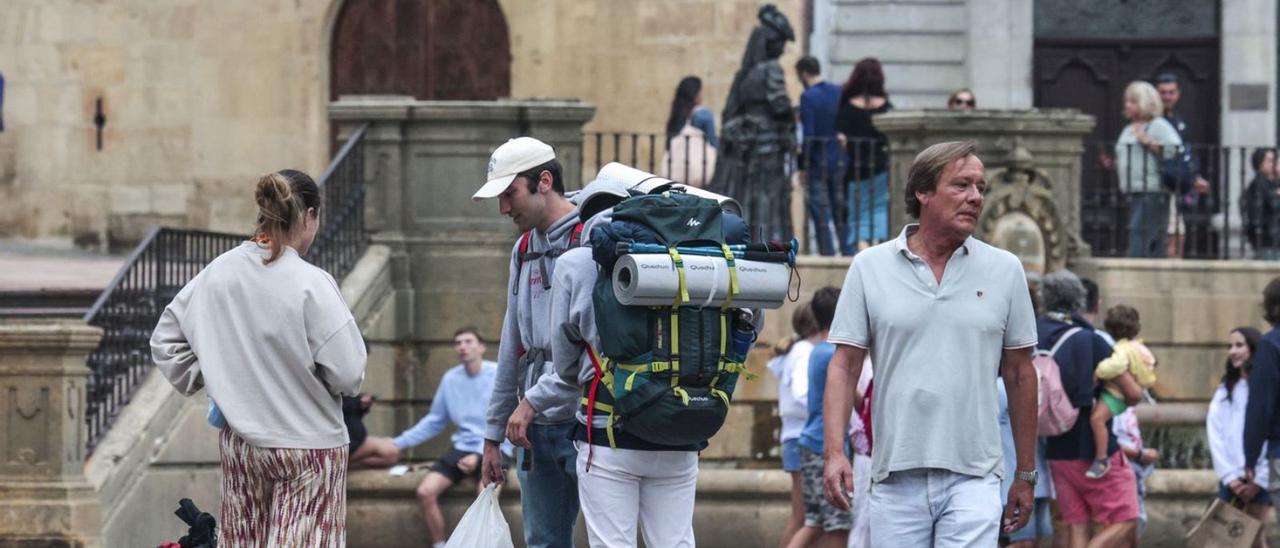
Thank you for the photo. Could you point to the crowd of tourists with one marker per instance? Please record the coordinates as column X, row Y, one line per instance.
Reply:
column 938, row 397
column 933, row 312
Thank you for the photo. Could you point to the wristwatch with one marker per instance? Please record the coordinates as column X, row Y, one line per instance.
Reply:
column 1029, row 477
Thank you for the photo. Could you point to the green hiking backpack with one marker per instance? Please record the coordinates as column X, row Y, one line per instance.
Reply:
column 665, row 374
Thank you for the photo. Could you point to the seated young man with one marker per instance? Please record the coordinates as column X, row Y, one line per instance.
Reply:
column 462, row 399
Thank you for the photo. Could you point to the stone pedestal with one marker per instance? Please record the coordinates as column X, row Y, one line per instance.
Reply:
column 448, row 255
column 1052, row 137
column 45, row 499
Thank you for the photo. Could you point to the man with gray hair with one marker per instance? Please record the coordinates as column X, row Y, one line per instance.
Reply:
column 1111, row 500
column 940, row 312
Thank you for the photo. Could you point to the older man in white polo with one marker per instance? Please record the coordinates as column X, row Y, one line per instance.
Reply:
column 942, row 314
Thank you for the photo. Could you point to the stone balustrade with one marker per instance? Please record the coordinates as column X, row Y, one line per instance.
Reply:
column 45, row 499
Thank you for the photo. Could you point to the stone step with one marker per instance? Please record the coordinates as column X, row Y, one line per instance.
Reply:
column 46, row 303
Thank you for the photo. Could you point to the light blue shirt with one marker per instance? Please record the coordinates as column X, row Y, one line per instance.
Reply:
column 936, row 348
column 461, row 399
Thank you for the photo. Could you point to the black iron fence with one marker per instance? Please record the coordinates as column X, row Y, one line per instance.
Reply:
column 1214, row 206
column 342, row 240
column 1196, row 202
column 166, row 259
column 128, row 309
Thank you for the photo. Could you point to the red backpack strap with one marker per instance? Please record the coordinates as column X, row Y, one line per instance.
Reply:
column 523, row 248
column 591, row 398
column 576, row 237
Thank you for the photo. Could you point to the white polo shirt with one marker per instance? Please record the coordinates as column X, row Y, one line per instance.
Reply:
column 935, row 349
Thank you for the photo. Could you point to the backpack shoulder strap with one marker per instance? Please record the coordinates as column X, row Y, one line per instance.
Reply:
column 576, row 237
column 1053, row 351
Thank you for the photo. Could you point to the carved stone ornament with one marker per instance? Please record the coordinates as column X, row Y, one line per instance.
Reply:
column 1021, row 217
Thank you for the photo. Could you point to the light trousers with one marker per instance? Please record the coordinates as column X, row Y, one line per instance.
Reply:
column 626, row 487
column 933, row 507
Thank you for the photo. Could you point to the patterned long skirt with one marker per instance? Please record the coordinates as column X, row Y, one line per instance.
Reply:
column 282, row 497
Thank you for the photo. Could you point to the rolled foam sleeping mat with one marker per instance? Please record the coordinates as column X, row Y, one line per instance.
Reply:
column 652, row 280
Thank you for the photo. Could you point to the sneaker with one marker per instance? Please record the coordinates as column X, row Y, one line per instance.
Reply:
column 1099, row 468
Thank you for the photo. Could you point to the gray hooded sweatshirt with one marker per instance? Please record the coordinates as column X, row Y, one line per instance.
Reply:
column 526, row 325
column 571, row 306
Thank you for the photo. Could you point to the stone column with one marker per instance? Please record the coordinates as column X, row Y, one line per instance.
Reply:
column 999, row 52
column 1248, row 93
column 449, row 255
column 1054, row 137
column 45, row 499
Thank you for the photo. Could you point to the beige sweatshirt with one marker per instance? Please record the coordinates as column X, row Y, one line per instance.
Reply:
column 275, row 345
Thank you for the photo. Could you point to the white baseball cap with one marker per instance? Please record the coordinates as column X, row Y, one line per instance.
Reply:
column 510, row 159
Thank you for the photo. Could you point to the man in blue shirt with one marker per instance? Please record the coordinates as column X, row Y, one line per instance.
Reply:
column 822, row 156
column 822, row 519
column 462, row 399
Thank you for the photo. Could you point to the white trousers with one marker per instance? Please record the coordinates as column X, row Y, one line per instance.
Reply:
column 860, row 535
column 625, row 486
column 938, row 508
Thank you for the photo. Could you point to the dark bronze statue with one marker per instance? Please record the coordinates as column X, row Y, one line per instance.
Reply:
column 759, row 131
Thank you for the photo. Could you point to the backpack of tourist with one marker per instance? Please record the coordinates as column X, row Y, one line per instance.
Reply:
column 666, row 374
column 1055, row 413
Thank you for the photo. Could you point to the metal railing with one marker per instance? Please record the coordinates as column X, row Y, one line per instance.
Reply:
column 128, row 310
column 1216, row 218
column 167, row 258
column 1189, row 202
column 342, row 239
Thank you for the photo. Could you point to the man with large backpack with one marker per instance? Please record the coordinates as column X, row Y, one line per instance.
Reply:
column 644, row 411
column 525, row 177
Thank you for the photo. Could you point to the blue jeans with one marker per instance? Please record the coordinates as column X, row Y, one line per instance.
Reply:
column 868, row 212
column 1148, row 224
column 549, row 489
column 825, row 193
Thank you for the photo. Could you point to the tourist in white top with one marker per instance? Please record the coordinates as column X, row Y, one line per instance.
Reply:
column 1225, row 429
column 941, row 313
column 270, row 338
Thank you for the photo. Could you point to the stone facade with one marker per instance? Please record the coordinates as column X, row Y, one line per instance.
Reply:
column 201, row 98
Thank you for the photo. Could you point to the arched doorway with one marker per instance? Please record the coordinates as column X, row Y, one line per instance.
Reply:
column 430, row 49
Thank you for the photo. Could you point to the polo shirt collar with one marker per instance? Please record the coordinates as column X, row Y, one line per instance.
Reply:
column 900, row 243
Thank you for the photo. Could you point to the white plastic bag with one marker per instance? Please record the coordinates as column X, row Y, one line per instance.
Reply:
column 483, row 526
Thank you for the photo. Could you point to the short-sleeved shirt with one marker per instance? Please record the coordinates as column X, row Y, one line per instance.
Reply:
column 936, row 349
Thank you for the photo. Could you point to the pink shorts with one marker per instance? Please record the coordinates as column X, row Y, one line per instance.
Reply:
column 1112, row 498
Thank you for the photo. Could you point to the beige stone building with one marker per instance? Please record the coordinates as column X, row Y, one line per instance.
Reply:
column 197, row 99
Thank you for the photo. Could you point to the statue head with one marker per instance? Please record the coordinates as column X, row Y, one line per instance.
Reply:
column 778, row 30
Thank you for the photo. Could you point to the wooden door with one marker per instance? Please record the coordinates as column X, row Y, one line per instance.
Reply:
column 429, row 49
column 1090, row 74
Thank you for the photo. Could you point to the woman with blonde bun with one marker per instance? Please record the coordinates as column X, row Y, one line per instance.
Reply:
column 270, row 339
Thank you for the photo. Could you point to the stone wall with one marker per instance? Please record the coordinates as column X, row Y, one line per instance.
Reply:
column 201, row 98
column 1187, row 308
